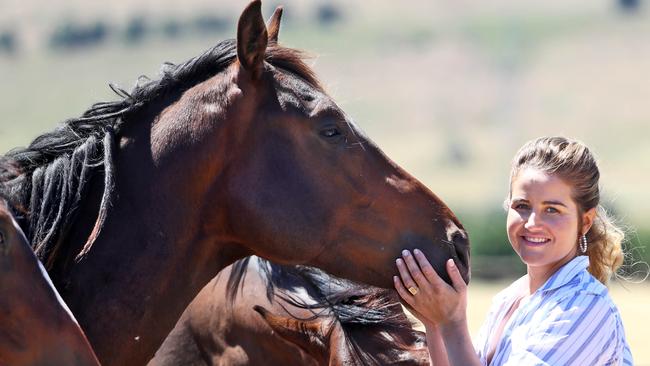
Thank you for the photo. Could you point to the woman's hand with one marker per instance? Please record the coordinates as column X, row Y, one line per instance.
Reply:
column 435, row 302
column 442, row 308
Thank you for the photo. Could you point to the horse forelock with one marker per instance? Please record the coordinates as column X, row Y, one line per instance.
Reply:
column 365, row 314
column 292, row 60
column 235, row 280
column 56, row 168
column 376, row 319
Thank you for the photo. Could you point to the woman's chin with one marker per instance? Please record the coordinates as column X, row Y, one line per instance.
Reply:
column 531, row 258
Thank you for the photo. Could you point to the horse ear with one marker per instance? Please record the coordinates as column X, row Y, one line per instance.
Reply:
column 302, row 333
column 273, row 25
column 252, row 39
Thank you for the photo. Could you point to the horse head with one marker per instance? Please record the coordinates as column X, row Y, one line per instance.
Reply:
column 333, row 343
column 305, row 185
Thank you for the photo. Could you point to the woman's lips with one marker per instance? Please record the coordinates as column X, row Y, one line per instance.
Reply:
column 535, row 240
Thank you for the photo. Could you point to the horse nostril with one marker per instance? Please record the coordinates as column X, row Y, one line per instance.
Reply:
column 461, row 246
column 459, row 238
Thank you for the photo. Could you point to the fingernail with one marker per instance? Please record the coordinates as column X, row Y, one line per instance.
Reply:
column 451, row 262
column 398, row 260
column 394, row 278
column 417, row 251
column 405, row 253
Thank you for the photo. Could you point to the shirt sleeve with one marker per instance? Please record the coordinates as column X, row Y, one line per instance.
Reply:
column 579, row 330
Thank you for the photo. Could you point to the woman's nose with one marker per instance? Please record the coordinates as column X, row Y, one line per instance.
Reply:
column 531, row 221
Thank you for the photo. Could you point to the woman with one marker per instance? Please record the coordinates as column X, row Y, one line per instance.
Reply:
column 560, row 312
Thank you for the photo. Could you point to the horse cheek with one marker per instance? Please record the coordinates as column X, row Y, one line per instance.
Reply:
column 280, row 207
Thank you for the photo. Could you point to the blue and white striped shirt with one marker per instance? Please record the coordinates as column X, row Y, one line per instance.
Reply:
column 570, row 320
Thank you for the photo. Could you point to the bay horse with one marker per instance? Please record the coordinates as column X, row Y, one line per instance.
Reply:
column 36, row 326
column 308, row 317
column 134, row 206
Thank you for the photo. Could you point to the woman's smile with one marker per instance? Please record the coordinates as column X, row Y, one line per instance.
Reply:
column 536, row 240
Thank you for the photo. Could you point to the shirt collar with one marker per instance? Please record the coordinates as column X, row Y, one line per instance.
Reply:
column 566, row 273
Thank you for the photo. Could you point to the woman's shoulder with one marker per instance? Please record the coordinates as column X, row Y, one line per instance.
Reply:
column 574, row 285
column 585, row 299
column 587, row 288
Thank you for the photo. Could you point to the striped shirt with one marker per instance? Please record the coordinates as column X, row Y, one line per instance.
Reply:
column 570, row 320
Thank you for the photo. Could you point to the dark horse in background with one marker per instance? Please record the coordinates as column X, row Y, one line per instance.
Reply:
column 306, row 317
column 36, row 326
column 134, row 206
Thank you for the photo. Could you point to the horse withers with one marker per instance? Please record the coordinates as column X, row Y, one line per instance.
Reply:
column 137, row 204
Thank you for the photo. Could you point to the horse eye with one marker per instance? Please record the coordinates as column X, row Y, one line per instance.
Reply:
column 2, row 237
column 330, row 132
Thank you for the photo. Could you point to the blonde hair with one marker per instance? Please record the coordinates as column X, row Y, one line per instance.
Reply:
column 572, row 162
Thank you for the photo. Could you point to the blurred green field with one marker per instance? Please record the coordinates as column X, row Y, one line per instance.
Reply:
column 632, row 301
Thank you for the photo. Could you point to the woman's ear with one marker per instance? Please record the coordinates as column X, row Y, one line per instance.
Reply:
column 587, row 220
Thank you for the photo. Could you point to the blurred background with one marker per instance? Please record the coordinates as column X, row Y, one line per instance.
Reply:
column 448, row 89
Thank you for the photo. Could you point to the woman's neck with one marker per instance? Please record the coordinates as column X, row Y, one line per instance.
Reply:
column 538, row 275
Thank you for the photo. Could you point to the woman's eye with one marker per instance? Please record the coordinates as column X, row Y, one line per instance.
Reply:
column 552, row 210
column 330, row 132
column 520, row 206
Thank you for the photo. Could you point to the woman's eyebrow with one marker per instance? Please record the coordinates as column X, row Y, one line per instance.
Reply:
column 548, row 202
column 518, row 199
column 557, row 203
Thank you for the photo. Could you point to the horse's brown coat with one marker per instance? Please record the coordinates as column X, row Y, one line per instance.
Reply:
column 36, row 327
column 208, row 166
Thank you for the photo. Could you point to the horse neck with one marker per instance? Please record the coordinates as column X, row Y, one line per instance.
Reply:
column 149, row 259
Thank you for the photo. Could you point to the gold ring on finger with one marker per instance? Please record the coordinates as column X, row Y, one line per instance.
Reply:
column 413, row 290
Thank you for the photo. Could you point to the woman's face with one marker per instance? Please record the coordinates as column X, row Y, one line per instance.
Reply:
column 543, row 220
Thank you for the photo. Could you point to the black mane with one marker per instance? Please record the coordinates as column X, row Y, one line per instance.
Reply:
column 362, row 311
column 9, row 171
column 58, row 166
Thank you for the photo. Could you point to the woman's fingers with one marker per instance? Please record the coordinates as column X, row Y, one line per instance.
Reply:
column 402, row 291
column 414, row 270
column 428, row 271
column 456, row 278
column 407, row 280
